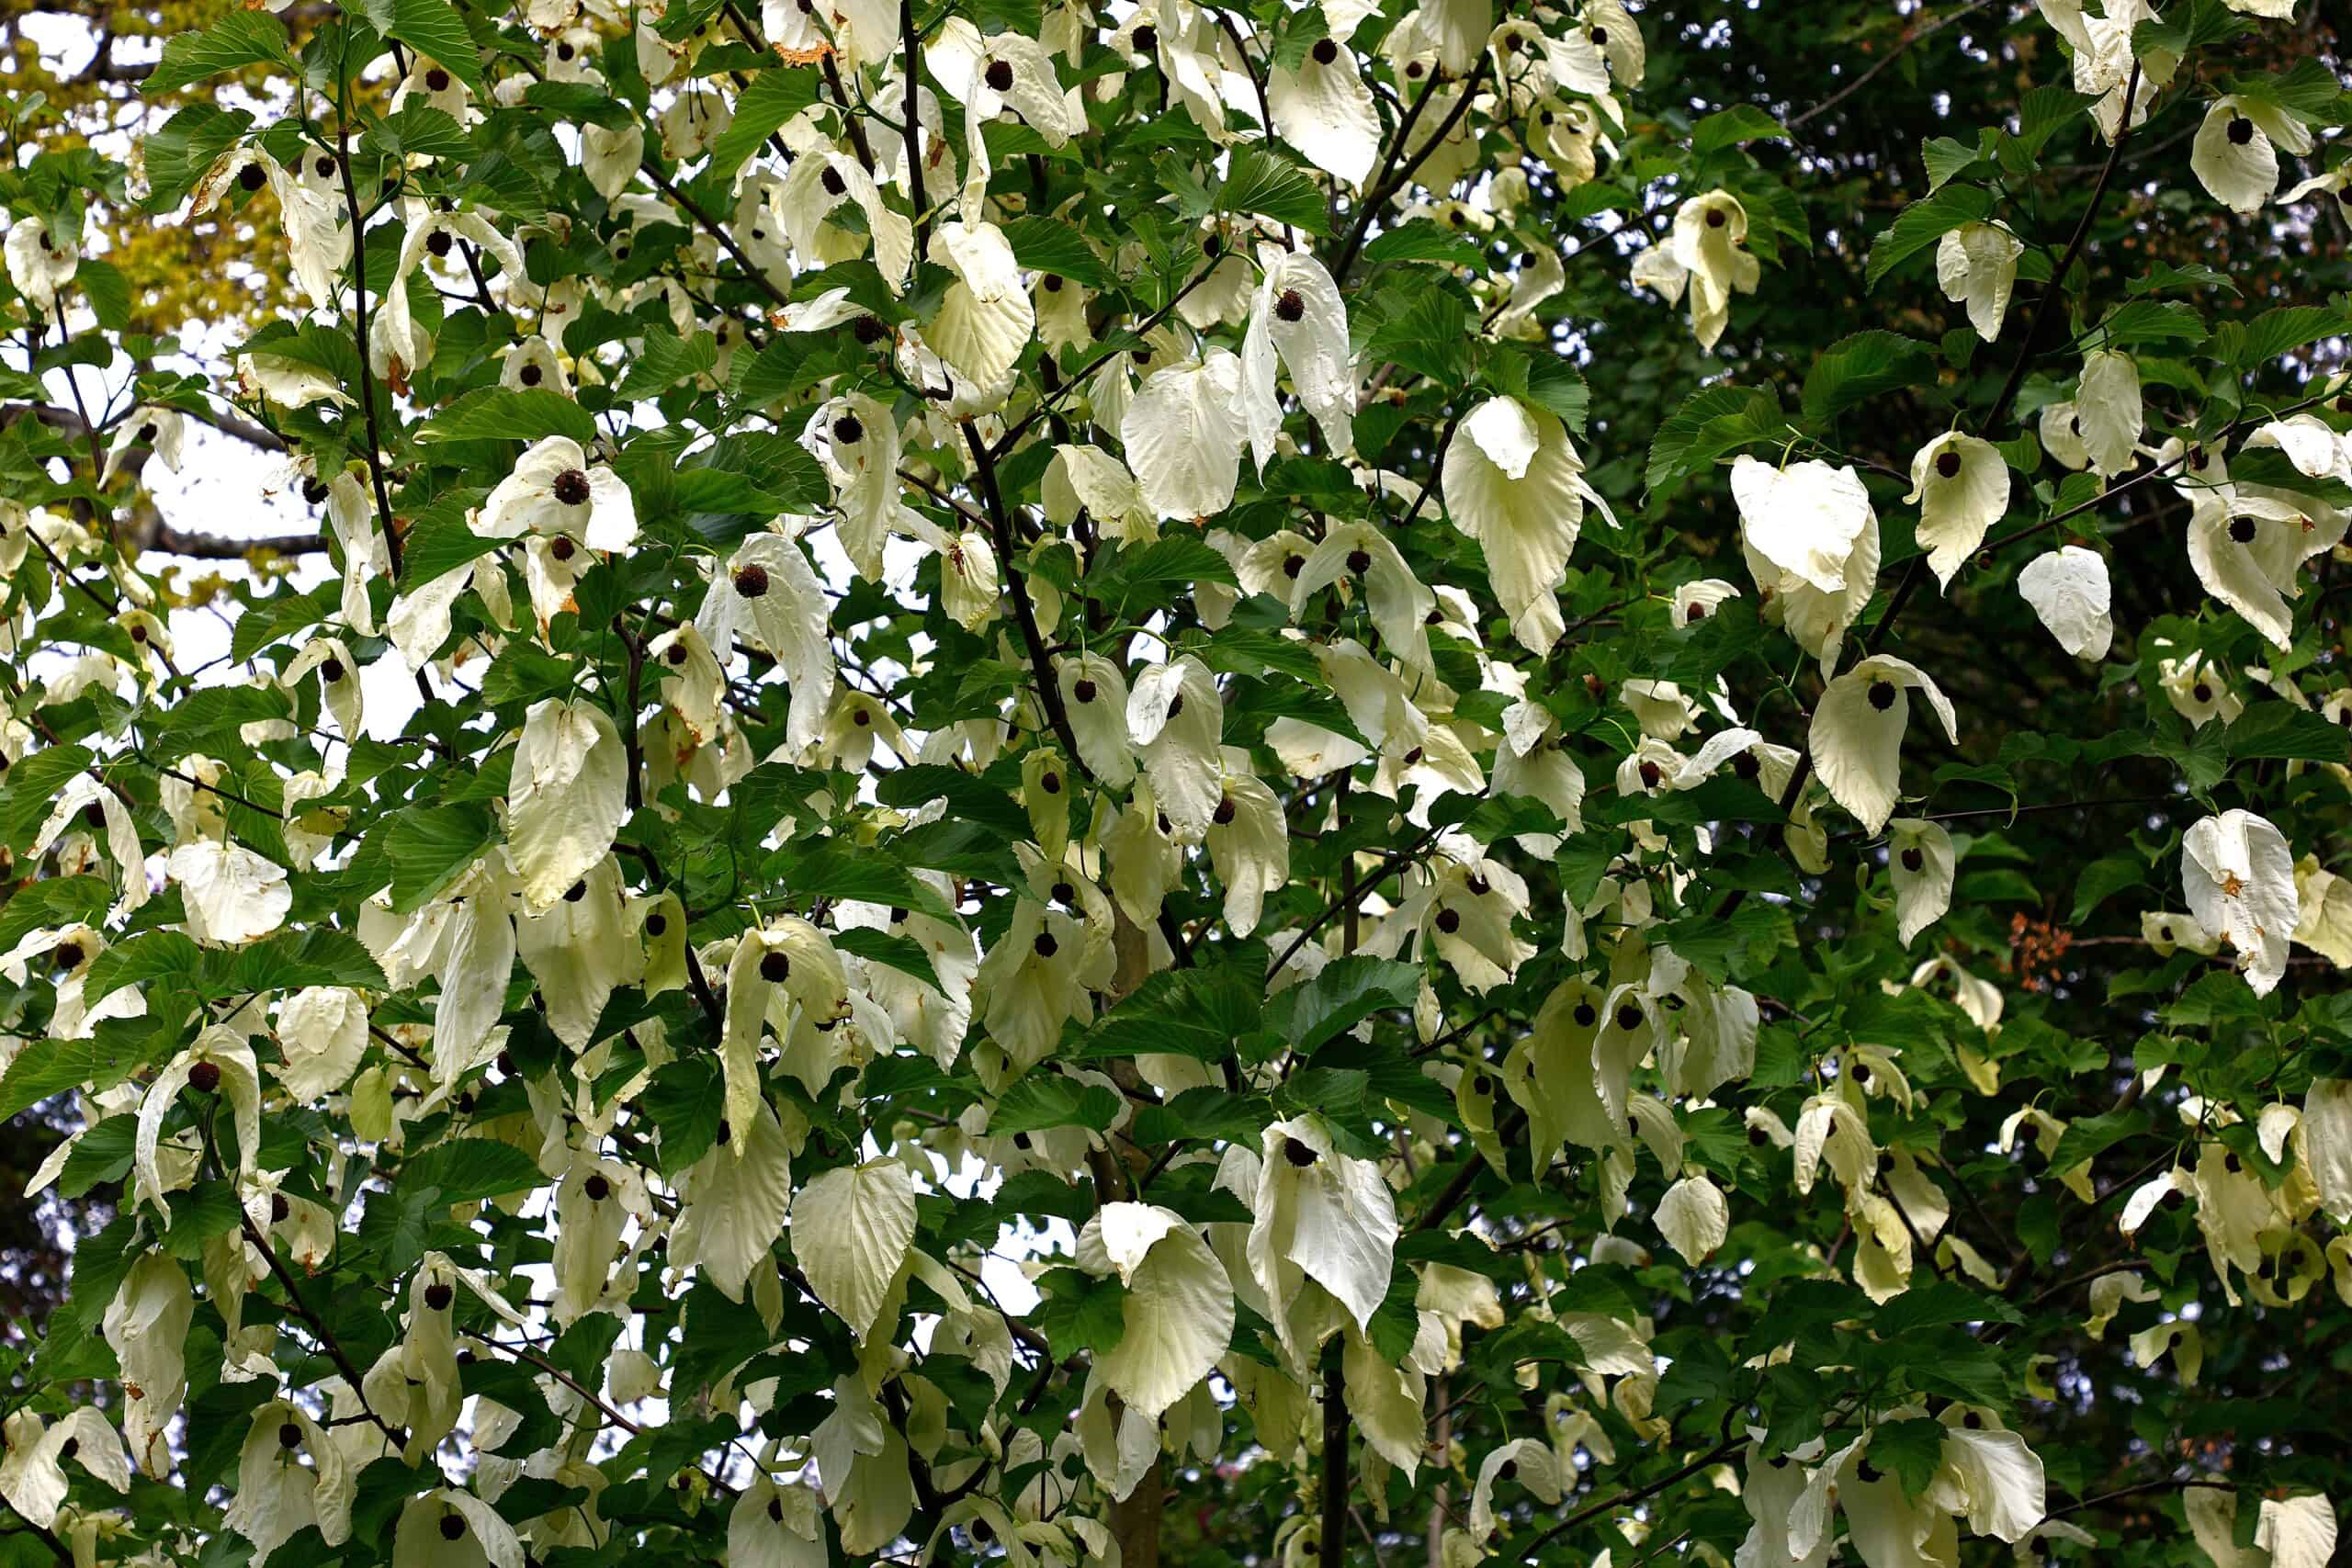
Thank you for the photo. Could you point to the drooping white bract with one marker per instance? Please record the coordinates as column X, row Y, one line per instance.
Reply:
column 1299, row 314
column 2235, row 154
column 277, row 1495
column 851, row 1230
column 568, row 797
column 1960, row 485
column 1804, row 519
column 772, row 593
column 1920, row 862
column 1367, row 558
column 1976, row 264
column 146, row 1324
column 1176, row 721
column 1710, row 245
column 1178, row 1313
column 32, row 1478
column 1514, row 482
column 2068, row 588
column 1325, row 109
column 1694, row 1218
column 554, row 490
column 985, row 318
column 1322, row 1215
column 1183, row 433
column 423, row 1537
column 2107, row 402
column 231, row 895
column 2239, row 876
column 1855, row 737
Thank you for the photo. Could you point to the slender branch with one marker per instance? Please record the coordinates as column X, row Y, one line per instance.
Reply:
column 630, row 744
column 915, row 130
column 1004, row 443
column 1635, row 1494
column 1393, row 859
column 715, row 229
column 1916, row 36
column 2144, row 477
column 319, row 1330
column 43, row 1533
column 1375, row 201
column 849, row 116
column 1334, row 1539
column 2166, row 1484
column 700, row 985
column 366, row 372
column 2055, row 289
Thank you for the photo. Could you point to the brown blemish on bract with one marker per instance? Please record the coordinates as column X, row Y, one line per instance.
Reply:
column 809, row 56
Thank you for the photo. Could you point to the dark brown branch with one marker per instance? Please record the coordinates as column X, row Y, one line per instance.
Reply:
column 1916, row 36
column 1334, row 1541
column 366, row 372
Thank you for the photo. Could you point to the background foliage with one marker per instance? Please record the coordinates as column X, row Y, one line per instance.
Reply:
column 2035, row 1058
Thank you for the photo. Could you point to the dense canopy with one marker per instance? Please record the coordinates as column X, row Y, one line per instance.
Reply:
column 1337, row 783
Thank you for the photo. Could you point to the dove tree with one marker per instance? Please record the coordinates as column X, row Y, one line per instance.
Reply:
column 1335, row 785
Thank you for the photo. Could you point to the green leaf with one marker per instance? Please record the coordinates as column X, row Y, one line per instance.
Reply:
column 832, row 870
column 1261, row 182
column 2307, row 90
column 2154, row 321
column 1544, row 380
column 468, row 1170
column 1079, row 1313
column 2282, row 729
column 901, row 952
column 2276, row 333
column 119, row 1047
column 2087, row 1137
column 968, row 797
column 289, row 614
column 1713, row 423
column 2272, row 467
column 1423, row 240
column 166, row 956
column 429, row 847
column 1177, row 558
column 2103, row 879
column 179, row 153
column 1946, row 160
column 1431, row 335
column 1912, row 1451
column 494, row 414
column 31, row 791
column 1923, row 223
column 2042, row 114
column 1050, row 246
column 103, row 285
column 54, row 901
column 240, row 39
column 1198, row 1014
column 1343, row 995
column 1741, row 122
column 1866, row 365
column 774, row 95
column 667, row 359
column 435, row 30
column 2190, row 25
column 1939, row 1304
column 291, row 960
column 418, row 130
column 1042, row 1100
column 686, row 1100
